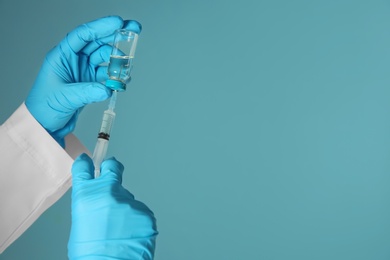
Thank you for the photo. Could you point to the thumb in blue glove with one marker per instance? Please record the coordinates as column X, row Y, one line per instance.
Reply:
column 68, row 79
column 107, row 222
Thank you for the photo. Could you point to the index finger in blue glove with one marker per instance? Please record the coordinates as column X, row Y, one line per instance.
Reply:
column 77, row 95
column 131, row 25
column 82, row 169
column 101, row 73
column 102, row 54
column 112, row 169
column 88, row 32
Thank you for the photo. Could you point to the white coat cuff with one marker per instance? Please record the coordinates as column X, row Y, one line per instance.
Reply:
column 35, row 172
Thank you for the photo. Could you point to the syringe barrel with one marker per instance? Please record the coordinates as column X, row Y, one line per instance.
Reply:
column 107, row 122
column 98, row 154
column 102, row 142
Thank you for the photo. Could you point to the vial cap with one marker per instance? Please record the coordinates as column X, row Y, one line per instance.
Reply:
column 115, row 85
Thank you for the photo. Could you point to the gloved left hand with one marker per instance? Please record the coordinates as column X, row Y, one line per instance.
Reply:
column 69, row 76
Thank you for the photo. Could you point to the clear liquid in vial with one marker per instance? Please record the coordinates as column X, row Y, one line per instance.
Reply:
column 120, row 68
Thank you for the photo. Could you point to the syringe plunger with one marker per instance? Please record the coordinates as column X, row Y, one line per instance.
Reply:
column 98, row 154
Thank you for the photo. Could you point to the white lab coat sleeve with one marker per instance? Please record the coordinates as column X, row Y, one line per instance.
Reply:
column 35, row 171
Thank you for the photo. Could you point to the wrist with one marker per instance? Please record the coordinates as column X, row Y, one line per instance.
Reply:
column 112, row 249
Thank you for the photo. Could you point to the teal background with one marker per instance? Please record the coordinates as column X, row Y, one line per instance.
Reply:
column 252, row 129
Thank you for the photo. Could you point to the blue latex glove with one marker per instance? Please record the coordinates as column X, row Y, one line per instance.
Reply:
column 69, row 76
column 107, row 222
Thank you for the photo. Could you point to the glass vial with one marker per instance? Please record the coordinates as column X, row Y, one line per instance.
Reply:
column 121, row 59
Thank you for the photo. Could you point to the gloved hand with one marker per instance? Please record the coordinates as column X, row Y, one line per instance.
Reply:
column 107, row 222
column 69, row 76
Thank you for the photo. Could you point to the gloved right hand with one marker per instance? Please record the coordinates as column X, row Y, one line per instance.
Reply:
column 70, row 75
column 107, row 222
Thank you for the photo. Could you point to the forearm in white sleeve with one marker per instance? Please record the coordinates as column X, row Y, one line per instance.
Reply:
column 34, row 172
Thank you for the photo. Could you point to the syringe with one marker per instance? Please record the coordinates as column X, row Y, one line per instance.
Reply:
column 104, row 135
column 119, row 70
